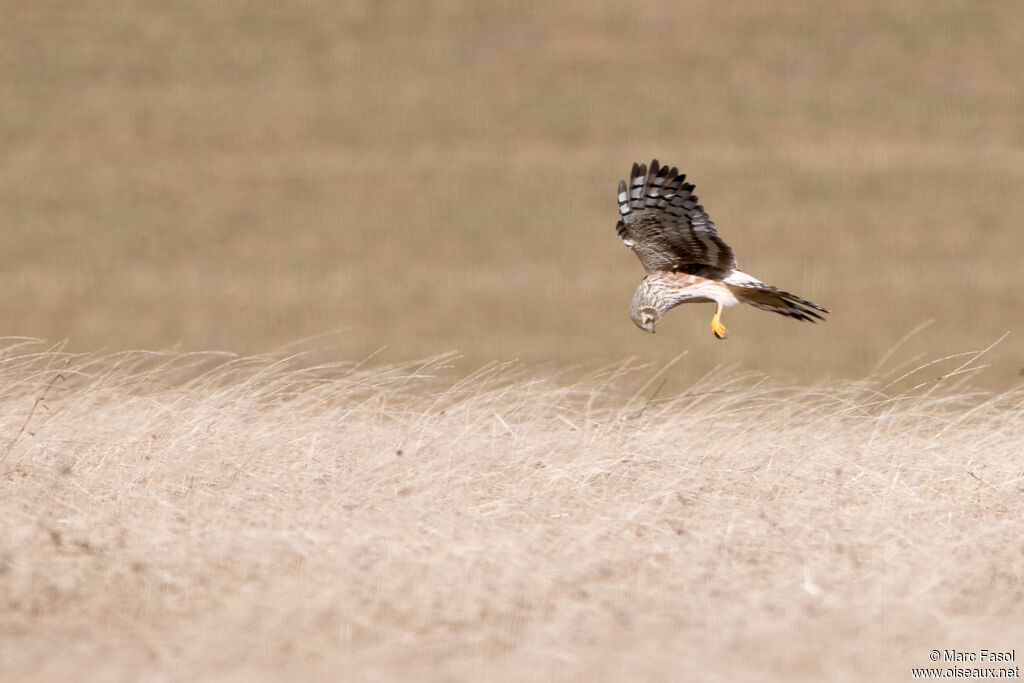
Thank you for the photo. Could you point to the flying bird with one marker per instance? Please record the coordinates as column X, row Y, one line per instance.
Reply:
column 686, row 261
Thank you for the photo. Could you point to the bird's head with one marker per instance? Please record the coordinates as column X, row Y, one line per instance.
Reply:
column 646, row 318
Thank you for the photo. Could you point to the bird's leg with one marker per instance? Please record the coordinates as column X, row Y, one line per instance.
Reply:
column 716, row 324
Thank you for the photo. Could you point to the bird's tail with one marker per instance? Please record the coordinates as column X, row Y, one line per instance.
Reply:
column 768, row 298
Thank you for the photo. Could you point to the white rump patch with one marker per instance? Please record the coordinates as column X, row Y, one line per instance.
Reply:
column 738, row 277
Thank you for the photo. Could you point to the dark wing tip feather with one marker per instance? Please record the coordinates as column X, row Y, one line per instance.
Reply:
column 802, row 308
column 780, row 301
column 810, row 304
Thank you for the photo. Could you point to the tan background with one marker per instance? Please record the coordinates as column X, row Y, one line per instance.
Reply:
column 430, row 177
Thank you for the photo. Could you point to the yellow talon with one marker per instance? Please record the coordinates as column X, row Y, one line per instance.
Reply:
column 716, row 324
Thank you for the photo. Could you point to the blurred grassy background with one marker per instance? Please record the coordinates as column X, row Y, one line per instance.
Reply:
column 441, row 176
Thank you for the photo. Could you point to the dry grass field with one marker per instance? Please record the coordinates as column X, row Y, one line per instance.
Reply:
column 198, row 517
column 290, row 201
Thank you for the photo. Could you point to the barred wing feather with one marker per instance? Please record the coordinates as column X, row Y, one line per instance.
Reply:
column 665, row 225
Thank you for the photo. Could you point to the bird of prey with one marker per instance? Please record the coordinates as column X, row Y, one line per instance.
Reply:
column 686, row 261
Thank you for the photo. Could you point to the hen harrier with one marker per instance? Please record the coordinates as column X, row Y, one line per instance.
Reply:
column 685, row 259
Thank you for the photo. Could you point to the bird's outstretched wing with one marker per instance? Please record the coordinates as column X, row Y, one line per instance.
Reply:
column 664, row 223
